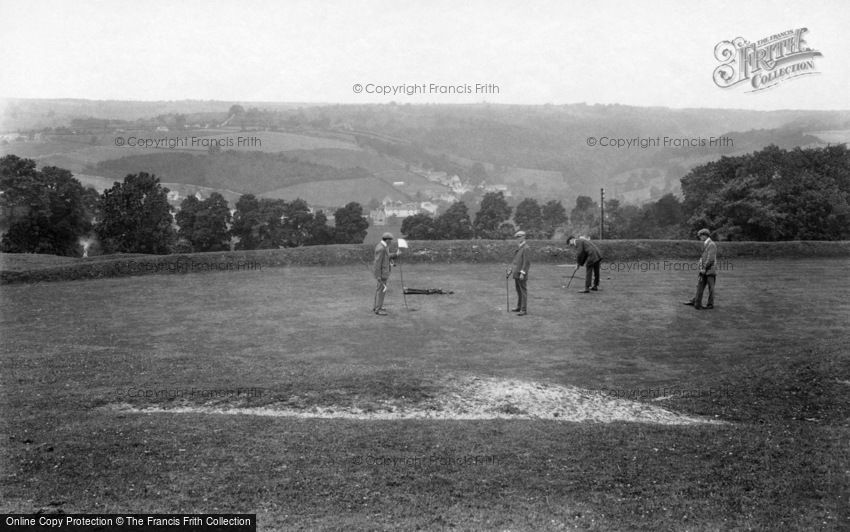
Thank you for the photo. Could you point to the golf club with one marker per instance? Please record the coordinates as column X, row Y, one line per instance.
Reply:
column 507, row 294
column 572, row 276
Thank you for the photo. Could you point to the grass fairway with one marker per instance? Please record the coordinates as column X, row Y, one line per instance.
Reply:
column 771, row 362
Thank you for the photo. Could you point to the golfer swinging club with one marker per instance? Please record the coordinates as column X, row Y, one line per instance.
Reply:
column 519, row 268
column 587, row 254
column 381, row 269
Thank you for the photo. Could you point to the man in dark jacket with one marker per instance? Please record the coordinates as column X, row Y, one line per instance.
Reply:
column 519, row 269
column 587, row 254
column 707, row 271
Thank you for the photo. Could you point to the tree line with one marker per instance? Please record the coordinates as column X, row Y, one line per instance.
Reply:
column 768, row 195
column 49, row 211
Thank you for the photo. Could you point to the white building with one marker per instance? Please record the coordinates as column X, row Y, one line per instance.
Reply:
column 378, row 216
column 430, row 208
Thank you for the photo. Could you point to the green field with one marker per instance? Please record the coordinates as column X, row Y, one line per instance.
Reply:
column 110, row 390
column 76, row 152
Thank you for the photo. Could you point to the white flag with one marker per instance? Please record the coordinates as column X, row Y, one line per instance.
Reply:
column 402, row 243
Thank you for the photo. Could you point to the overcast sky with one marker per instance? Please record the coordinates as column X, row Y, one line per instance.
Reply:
column 654, row 53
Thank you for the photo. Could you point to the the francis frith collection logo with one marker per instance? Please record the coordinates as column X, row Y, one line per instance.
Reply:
column 765, row 63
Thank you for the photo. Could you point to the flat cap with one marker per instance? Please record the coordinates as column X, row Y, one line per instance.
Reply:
column 704, row 231
column 387, row 236
column 519, row 234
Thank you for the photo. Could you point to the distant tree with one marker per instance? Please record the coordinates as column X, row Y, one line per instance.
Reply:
column 454, row 223
column 506, row 230
column 554, row 215
column 321, row 233
column 529, row 218
column 667, row 211
column 584, row 218
column 494, row 211
column 136, row 217
column 236, row 109
column 420, row 227
column 45, row 211
column 297, row 223
column 772, row 194
column 91, row 202
column 246, row 222
column 613, row 219
column 204, row 223
column 257, row 223
column 350, row 225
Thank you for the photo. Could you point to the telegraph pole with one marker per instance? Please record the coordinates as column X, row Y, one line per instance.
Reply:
column 602, row 220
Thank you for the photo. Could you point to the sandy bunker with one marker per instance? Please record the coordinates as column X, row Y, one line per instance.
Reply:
column 470, row 398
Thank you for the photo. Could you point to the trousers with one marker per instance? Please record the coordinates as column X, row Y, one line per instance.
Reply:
column 703, row 281
column 592, row 274
column 380, row 292
column 521, row 293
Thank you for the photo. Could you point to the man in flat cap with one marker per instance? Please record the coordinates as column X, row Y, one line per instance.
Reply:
column 519, row 270
column 587, row 254
column 381, row 269
column 707, row 271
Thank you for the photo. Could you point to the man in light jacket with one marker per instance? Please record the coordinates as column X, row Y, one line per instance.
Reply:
column 381, row 270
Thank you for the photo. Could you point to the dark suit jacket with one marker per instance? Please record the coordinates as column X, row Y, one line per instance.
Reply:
column 521, row 262
column 586, row 252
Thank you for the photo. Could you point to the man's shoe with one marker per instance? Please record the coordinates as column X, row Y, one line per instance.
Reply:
column 515, row 309
column 595, row 288
column 585, row 291
column 522, row 313
column 381, row 312
column 697, row 307
column 691, row 302
column 708, row 307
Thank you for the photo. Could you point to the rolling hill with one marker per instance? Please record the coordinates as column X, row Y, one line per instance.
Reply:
column 538, row 151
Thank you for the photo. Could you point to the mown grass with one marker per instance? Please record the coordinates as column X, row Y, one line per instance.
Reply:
column 771, row 360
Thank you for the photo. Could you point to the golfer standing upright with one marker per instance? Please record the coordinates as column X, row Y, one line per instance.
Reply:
column 587, row 254
column 707, row 271
column 519, row 269
column 381, row 269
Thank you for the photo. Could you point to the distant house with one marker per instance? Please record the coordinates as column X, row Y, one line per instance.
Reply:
column 398, row 183
column 378, row 216
column 162, row 129
column 499, row 188
column 390, row 208
column 430, row 208
column 400, row 210
column 437, row 177
column 173, row 195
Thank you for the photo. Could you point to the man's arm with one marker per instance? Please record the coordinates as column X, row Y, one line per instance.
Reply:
column 711, row 256
column 526, row 262
column 581, row 252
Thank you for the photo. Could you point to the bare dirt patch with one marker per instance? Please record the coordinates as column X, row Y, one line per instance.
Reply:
column 472, row 398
